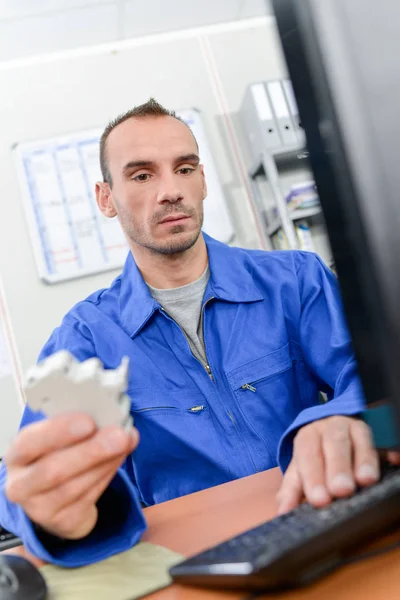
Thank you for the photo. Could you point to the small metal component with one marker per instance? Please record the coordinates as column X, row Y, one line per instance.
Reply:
column 61, row 384
column 249, row 387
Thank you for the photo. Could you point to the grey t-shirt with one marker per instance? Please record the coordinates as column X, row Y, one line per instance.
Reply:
column 184, row 304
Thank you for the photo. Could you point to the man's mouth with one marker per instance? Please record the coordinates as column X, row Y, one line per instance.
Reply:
column 172, row 219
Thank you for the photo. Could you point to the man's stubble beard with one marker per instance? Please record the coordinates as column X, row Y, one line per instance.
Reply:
column 141, row 238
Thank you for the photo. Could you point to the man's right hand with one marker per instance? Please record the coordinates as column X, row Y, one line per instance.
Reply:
column 59, row 467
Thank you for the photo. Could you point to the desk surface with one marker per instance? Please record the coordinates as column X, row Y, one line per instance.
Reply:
column 195, row 522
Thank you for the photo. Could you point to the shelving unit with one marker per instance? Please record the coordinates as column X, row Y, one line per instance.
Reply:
column 280, row 168
column 295, row 215
column 276, row 142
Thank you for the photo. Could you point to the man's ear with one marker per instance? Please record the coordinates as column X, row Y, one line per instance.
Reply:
column 104, row 199
column 204, row 182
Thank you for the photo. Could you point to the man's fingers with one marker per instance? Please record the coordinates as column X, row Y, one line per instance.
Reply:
column 338, row 453
column 42, row 507
column 52, row 471
column 310, row 465
column 393, row 457
column 74, row 522
column 94, row 493
column 330, row 458
column 291, row 491
column 44, row 437
column 366, row 459
column 78, row 519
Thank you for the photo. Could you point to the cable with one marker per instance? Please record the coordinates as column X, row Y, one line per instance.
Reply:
column 371, row 554
column 256, row 595
column 346, row 561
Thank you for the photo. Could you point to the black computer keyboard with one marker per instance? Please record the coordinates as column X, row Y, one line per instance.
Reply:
column 299, row 546
column 8, row 540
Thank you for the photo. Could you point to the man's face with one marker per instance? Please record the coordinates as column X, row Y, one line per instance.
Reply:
column 158, row 185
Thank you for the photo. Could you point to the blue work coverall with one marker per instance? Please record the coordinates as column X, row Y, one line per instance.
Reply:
column 274, row 335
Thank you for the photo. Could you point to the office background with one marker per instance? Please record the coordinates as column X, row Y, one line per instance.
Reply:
column 61, row 85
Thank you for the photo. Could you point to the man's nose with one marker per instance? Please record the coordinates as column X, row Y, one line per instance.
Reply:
column 169, row 192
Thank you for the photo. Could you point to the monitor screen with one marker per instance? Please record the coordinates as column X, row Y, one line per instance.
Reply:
column 343, row 60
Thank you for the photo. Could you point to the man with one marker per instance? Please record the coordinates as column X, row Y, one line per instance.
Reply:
column 228, row 350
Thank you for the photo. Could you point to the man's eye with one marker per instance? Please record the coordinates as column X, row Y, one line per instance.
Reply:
column 185, row 170
column 141, row 177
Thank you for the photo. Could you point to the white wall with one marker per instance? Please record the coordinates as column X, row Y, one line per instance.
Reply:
column 206, row 68
column 54, row 25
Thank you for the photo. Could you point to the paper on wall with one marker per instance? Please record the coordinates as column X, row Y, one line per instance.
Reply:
column 5, row 362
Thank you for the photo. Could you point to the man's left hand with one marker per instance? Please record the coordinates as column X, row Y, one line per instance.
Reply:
column 331, row 457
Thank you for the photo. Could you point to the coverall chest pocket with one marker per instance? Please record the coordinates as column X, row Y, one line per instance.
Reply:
column 159, row 404
column 265, row 393
column 179, row 451
column 169, row 422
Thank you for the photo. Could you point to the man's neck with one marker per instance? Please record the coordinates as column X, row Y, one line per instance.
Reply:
column 167, row 271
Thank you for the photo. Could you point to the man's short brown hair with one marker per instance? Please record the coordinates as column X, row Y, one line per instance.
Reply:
column 151, row 108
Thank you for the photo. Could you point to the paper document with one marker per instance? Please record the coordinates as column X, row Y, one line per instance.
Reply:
column 132, row 574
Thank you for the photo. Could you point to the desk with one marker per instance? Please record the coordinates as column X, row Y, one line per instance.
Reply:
column 192, row 523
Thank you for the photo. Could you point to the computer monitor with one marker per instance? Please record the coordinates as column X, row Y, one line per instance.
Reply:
column 343, row 58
